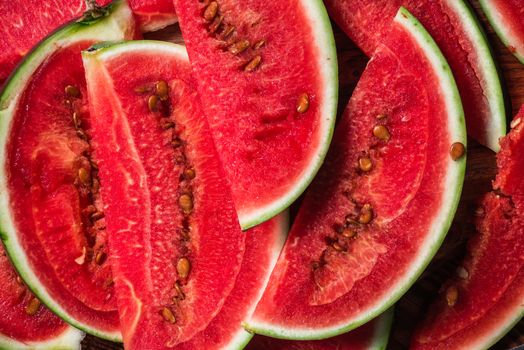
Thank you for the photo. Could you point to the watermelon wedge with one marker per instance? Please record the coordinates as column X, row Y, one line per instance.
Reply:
column 459, row 35
column 263, row 245
column 175, row 243
column 50, row 217
column 371, row 336
column 384, row 200
column 24, row 323
column 506, row 17
column 152, row 15
column 267, row 78
column 484, row 300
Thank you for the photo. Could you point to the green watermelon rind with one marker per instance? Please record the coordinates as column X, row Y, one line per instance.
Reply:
column 488, row 342
column 111, row 27
column 324, row 39
column 69, row 339
column 492, row 88
column 497, row 23
column 382, row 330
column 442, row 222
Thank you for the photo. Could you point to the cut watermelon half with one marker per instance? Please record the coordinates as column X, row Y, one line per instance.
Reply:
column 459, row 35
column 485, row 300
column 506, row 17
column 48, row 201
column 267, row 78
column 263, row 245
column 384, row 200
column 175, row 243
column 24, row 323
column 152, row 15
column 371, row 336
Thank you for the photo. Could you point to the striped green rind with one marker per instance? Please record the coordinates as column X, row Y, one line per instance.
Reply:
column 69, row 339
column 116, row 24
column 455, row 171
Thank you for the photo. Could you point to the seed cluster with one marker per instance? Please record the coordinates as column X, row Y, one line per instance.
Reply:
column 88, row 185
column 158, row 103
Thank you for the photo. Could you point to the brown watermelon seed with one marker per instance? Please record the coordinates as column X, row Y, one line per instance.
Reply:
column 166, row 123
column 97, row 215
column 451, row 295
column 162, row 90
column 189, row 173
column 381, row 132
column 176, row 142
column 366, row 214
column 72, row 91
column 168, row 315
column 239, row 47
column 33, row 306
column 348, row 233
column 76, row 120
column 180, row 159
column 84, row 176
column 186, row 202
column 457, row 150
column 100, row 257
column 211, row 11
column 228, row 30
column 213, row 27
column 462, row 272
column 253, row 64
column 303, row 103
column 180, row 294
column 338, row 247
column 152, row 103
column 183, row 267
column 365, row 164
column 259, row 44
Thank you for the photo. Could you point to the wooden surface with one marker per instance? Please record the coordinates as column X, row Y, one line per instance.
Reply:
column 480, row 171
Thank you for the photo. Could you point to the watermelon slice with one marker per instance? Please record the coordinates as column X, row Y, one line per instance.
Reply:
column 371, row 336
column 152, row 15
column 484, row 300
column 24, row 323
column 263, row 245
column 175, row 243
column 460, row 37
column 50, row 217
column 382, row 203
column 268, row 85
column 506, row 17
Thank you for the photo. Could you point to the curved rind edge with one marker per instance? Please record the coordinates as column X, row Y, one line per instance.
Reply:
column 69, row 339
column 495, row 96
column 490, row 11
column 453, row 184
column 322, row 30
column 115, row 26
column 382, row 330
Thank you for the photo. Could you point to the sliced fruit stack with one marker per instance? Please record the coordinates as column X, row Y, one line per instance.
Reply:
column 130, row 168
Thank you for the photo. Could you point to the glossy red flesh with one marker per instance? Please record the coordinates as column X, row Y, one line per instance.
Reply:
column 141, row 200
column 153, row 14
column 367, row 23
column 252, row 115
column 44, row 154
column 262, row 242
column 408, row 171
column 494, row 288
column 15, row 322
column 512, row 12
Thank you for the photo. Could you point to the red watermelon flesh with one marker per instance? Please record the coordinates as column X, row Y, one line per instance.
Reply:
column 175, row 243
column 45, row 155
column 152, row 15
column 363, row 234
column 263, row 245
column 255, row 62
column 484, row 300
column 453, row 27
column 20, row 320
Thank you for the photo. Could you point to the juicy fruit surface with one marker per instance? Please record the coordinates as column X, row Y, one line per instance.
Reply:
column 152, row 15
column 506, row 17
column 363, row 232
column 174, row 237
column 268, row 104
column 489, row 290
column 263, row 244
column 484, row 113
column 44, row 157
column 23, row 319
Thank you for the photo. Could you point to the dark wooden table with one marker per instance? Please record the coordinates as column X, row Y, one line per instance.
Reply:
column 480, row 171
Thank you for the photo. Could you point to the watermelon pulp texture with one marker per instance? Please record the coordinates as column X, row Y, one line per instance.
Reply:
column 455, row 29
column 23, row 320
column 371, row 336
column 263, row 245
column 267, row 77
column 176, row 246
column 53, row 223
column 484, row 300
column 506, row 18
column 364, row 233
column 153, row 15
